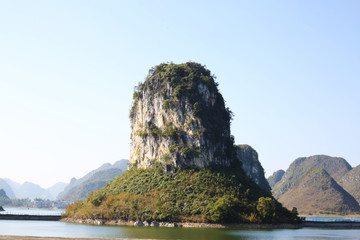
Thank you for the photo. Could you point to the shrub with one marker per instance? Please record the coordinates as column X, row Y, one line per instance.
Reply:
column 225, row 210
column 190, row 152
column 167, row 104
column 267, row 209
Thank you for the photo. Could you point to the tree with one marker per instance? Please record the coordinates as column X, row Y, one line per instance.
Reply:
column 267, row 209
column 224, row 209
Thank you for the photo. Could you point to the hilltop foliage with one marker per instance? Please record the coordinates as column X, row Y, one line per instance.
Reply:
column 189, row 195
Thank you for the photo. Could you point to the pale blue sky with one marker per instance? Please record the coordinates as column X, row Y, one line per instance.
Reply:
column 289, row 70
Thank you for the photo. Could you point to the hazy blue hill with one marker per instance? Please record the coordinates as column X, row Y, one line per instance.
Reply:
column 14, row 185
column 57, row 188
column 335, row 166
column 121, row 164
column 351, row 182
column 77, row 190
column 3, row 194
column 317, row 192
column 30, row 190
column 96, row 181
column 46, row 195
column 7, row 188
column 275, row 178
column 4, row 199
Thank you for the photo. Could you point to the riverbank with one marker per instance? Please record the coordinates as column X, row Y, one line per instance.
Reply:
column 185, row 225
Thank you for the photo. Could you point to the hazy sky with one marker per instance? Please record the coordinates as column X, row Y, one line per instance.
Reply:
column 289, row 70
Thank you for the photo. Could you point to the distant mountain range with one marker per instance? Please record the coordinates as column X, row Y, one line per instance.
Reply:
column 30, row 190
column 318, row 184
column 80, row 188
column 76, row 189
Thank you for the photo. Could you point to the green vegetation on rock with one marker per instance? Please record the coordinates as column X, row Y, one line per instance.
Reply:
column 188, row 195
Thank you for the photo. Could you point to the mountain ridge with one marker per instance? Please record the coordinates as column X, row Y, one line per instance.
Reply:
column 335, row 166
column 79, row 188
column 316, row 192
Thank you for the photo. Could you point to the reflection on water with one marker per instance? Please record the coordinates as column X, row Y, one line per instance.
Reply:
column 61, row 229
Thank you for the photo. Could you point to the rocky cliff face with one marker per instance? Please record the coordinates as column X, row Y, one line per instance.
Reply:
column 252, row 166
column 179, row 119
column 275, row 178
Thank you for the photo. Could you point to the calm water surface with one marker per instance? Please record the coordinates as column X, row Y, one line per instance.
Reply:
column 32, row 211
column 61, row 229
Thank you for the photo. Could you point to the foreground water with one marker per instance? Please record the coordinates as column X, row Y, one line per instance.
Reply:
column 61, row 229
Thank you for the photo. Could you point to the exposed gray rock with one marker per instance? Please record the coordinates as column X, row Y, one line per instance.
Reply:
column 180, row 121
column 138, row 223
column 154, row 224
column 252, row 166
column 168, row 224
column 99, row 222
column 275, row 178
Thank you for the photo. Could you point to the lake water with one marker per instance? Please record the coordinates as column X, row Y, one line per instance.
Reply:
column 32, row 211
column 61, row 229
